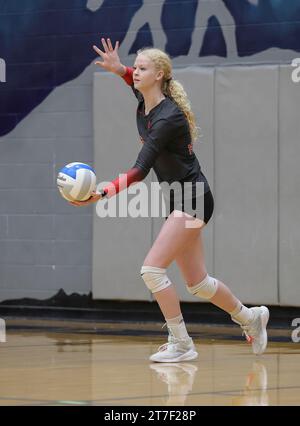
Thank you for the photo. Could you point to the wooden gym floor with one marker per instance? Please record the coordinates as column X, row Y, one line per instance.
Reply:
column 57, row 367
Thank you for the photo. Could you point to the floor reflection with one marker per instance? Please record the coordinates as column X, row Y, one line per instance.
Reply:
column 256, row 384
column 179, row 379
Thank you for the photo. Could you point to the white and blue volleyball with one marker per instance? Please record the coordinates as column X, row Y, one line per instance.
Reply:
column 76, row 181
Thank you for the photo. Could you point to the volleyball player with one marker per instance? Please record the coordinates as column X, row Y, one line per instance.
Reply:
column 167, row 128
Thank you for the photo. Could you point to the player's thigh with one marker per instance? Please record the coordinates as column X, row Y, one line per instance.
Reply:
column 191, row 261
column 172, row 238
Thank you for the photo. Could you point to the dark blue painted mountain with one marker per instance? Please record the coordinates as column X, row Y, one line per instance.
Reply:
column 46, row 43
column 270, row 23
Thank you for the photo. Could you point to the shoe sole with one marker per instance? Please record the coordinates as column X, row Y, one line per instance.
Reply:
column 264, row 321
column 188, row 356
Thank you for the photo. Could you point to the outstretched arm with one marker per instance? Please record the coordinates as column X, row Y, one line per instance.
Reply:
column 159, row 136
column 132, row 176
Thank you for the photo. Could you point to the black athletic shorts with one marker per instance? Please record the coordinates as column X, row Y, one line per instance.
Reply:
column 201, row 207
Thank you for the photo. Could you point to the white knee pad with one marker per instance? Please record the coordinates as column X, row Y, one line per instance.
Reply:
column 206, row 289
column 155, row 278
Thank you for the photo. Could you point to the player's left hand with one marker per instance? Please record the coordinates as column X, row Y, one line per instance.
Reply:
column 93, row 199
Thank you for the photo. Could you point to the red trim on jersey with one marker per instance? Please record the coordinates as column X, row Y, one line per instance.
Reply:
column 128, row 76
column 126, row 179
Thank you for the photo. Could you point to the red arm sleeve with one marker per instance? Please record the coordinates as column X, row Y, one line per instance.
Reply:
column 128, row 76
column 124, row 181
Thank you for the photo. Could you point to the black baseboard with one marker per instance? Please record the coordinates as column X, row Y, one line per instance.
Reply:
column 83, row 307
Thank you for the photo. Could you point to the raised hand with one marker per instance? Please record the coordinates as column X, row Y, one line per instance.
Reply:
column 111, row 61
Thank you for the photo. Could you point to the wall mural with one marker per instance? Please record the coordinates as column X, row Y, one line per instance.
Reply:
column 46, row 43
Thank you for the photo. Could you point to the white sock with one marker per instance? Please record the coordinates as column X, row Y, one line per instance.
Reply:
column 177, row 327
column 242, row 314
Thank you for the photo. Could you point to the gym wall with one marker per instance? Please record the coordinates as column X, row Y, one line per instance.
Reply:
column 56, row 107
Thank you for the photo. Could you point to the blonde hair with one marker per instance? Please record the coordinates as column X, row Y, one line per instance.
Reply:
column 172, row 88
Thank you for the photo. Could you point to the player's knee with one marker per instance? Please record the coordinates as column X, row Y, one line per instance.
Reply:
column 155, row 278
column 206, row 289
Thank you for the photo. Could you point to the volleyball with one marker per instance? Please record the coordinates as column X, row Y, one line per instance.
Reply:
column 76, row 181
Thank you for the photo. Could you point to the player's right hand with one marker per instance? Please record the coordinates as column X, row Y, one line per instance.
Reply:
column 111, row 61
